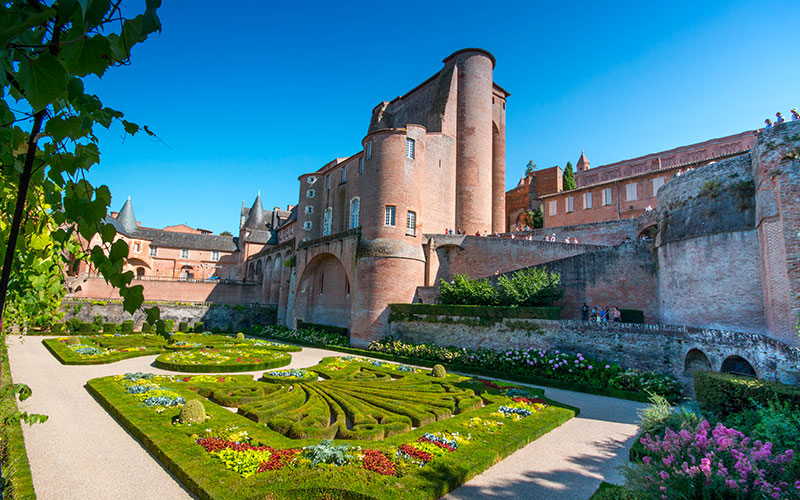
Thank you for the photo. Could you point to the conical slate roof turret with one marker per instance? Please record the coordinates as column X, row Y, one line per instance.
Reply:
column 126, row 216
column 256, row 218
column 583, row 163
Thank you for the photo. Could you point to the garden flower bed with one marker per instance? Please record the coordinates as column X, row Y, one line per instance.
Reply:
column 364, row 430
column 283, row 376
column 230, row 359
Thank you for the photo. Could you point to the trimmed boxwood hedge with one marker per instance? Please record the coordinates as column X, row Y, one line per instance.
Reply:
column 67, row 356
column 283, row 359
column 17, row 483
column 400, row 312
column 270, row 377
column 631, row 316
column 723, row 393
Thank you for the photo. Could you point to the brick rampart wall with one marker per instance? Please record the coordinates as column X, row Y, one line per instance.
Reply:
column 648, row 347
column 606, row 233
column 223, row 293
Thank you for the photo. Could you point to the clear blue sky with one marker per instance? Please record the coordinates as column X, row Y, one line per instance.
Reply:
column 249, row 98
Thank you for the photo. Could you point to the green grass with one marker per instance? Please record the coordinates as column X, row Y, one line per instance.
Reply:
column 206, row 476
column 17, row 481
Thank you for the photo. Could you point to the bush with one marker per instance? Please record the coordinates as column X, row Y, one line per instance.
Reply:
column 73, row 340
column 240, row 336
column 631, row 316
column 439, row 371
column 465, row 291
column 146, row 327
column 216, row 329
column 57, row 328
column 722, row 394
column 530, row 287
column 73, row 325
column 169, row 325
column 110, row 328
column 86, row 328
column 183, row 326
column 193, row 412
column 127, row 326
column 198, row 327
column 97, row 319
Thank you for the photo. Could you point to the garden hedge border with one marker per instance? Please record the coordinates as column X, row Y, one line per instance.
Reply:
column 723, row 393
column 241, row 367
column 401, row 312
column 18, row 477
column 311, row 376
column 66, row 357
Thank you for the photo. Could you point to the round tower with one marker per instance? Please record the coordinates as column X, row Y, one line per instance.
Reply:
column 390, row 263
column 474, row 139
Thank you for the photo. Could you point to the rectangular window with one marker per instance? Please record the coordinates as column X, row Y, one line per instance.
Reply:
column 410, row 148
column 570, row 204
column 657, row 183
column 388, row 220
column 553, row 207
column 214, row 254
column 344, row 173
column 153, row 251
column 328, row 181
column 411, row 223
column 307, row 225
column 361, row 165
column 606, row 196
column 327, row 222
column 369, row 150
column 354, row 203
column 184, row 253
column 630, row 191
column 587, row 200
column 136, row 247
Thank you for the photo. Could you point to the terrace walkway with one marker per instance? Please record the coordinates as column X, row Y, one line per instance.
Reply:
column 82, row 453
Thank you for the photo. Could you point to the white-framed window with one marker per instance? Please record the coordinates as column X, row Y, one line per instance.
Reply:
column 184, row 253
column 553, row 207
column 361, row 165
column 326, row 224
column 214, row 254
column 354, row 208
column 310, row 193
column 312, row 179
column 389, row 216
column 369, row 150
column 570, row 203
column 153, row 251
column 606, row 196
column 328, row 181
column 411, row 223
column 309, row 209
column 410, row 146
column 657, row 183
column 587, row 200
column 307, row 225
column 137, row 247
column 344, row 173
column 630, row 192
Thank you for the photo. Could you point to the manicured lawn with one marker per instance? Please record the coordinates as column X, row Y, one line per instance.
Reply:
column 395, row 431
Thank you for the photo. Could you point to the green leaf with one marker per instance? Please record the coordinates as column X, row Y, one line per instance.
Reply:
column 130, row 128
column 153, row 314
column 34, row 20
column 90, row 55
column 107, row 231
column 44, row 80
column 119, row 251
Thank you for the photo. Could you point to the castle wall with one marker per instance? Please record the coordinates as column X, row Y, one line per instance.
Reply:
column 664, row 349
column 224, row 293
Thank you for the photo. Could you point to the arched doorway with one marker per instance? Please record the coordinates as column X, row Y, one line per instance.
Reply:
column 323, row 293
column 187, row 273
column 696, row 361
column 140, row 272
column 737, row 365
column 648, row 233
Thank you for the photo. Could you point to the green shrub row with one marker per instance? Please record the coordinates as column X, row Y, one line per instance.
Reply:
column 410, row 312
column 722, row 394
column 67, row 356
column 282, row 360
column 338, row 330
column 16, row 482
column 529, row 287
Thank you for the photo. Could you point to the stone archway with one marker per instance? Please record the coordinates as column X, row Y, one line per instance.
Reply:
column 737, row 365
column 695, row 361
column 323, row 293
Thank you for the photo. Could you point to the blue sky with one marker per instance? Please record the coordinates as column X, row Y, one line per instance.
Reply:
column 248, row 99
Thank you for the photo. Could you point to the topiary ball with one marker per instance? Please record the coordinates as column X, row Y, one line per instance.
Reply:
column 193, row 412
column 73, row 340
column 439, row 371
column 240, row 336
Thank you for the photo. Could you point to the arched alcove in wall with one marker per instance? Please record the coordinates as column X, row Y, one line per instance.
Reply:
column 737, row 365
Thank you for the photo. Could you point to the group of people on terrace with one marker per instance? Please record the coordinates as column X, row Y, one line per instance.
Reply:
column 780, row 119
column 552, row 239
column 600, row 314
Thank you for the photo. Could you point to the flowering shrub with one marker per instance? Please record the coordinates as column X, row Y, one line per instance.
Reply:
column 704, row 463
column 555, row 365
column 145, row 388
column 376, row 461
column 303, row 335
column 484, row 424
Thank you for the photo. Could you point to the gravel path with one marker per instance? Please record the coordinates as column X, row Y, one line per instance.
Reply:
column 82, row 453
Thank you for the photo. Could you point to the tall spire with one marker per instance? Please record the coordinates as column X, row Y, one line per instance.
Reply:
column 126, row 216
column 256, row 218
column 583, row 163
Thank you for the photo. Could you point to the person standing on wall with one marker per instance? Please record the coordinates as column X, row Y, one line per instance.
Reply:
column 585, row 312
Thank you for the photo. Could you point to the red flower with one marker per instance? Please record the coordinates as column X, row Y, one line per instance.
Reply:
column 440, row 445
column 415, row 453
column 278, row 459
column 376, row 461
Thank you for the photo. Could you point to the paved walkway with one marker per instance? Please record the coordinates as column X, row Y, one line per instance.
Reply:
column 82, row 453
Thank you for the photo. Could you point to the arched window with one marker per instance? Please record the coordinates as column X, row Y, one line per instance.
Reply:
column 326, row 225
column 354, row 206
